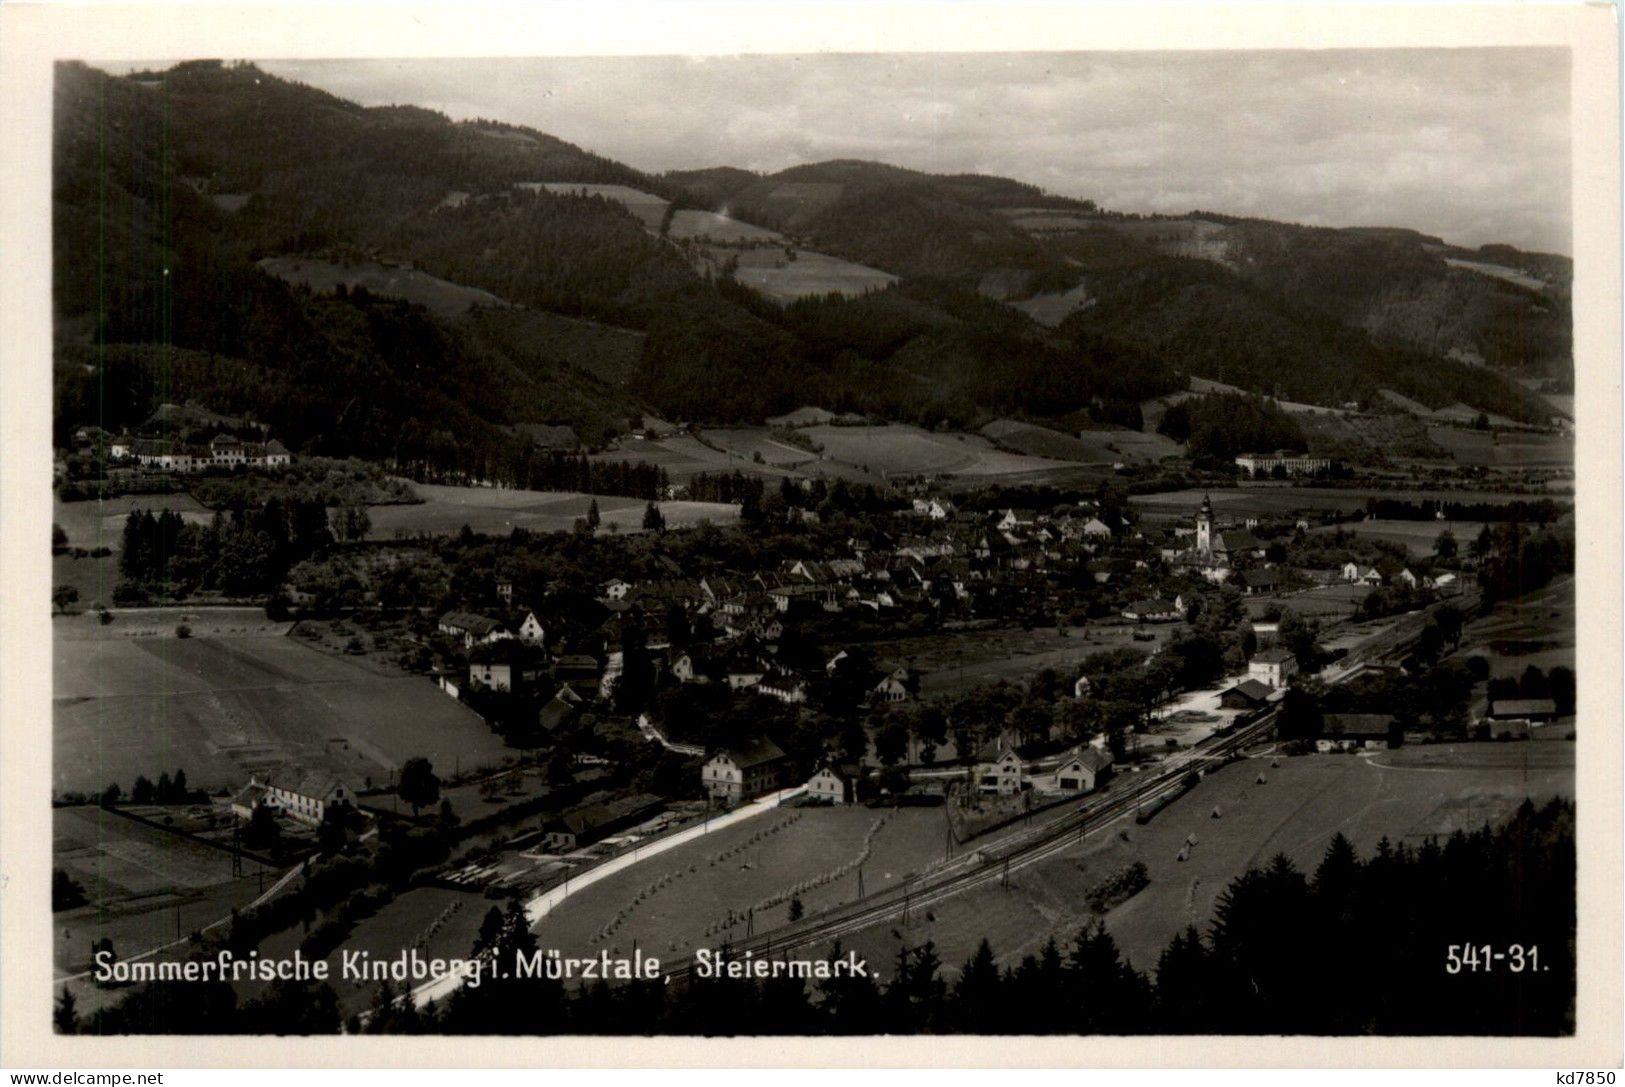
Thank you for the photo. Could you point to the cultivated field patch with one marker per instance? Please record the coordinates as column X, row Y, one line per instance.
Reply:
column 223, row 707
column 726, row 874
column 649, row 208
column 1403, row 795
column 496, row 510
column 439, row 296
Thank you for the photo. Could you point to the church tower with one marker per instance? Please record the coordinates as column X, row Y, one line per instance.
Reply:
column 1204, row 528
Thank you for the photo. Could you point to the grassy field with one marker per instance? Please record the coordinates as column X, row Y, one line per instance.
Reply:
column 1539, row 629
column 141, row 883
column 496, row 510
column 1088, row 447
column 1404, row 795
column 1051, row 309
column 1504, row 448
column 439, row 296
column 1417, row 537
column 772, row 273
column 96, row 523
column 740, row 867
column 955, row 661
column 1275, row 501
column 899, row 449
column 710, row 226
column 222, row 707
column 649, row 208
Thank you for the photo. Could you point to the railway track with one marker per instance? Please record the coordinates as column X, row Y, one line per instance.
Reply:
column 985, row 866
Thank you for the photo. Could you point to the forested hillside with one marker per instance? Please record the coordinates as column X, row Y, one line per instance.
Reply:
column 172, row 187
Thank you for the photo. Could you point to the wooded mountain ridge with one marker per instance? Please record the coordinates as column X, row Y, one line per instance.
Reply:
column 171, row 187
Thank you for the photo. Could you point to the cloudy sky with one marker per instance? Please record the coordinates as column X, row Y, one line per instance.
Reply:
column 1468, row 144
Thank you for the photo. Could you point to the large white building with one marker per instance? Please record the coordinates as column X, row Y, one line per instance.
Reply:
column 1293, row 464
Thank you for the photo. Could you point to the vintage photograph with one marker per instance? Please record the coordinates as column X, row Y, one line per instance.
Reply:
column 1074, row 543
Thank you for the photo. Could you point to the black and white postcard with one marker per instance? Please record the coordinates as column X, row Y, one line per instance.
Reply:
column 980, row 526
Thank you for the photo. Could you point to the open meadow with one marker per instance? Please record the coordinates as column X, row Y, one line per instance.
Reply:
column 439, row 296
column 951, row 662
column 1087, row 447
column 1405, row 795
column 139, row 701
column 1268, row 500
column 97, row 523
column 142, row 884
column 647, row 207
column 707, row 887
column 498, row 511
column 1417, row 537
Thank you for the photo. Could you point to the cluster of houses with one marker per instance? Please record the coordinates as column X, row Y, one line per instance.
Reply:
column 187, row 438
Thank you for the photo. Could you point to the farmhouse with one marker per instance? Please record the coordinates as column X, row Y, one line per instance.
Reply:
column 1155, row 610
column 787, row 687
column 305, row 797
column 1534, row 711
column 1355, row 732
column 895, row 687
column 1086, row 768
column 743, row 773
column 999, row 770
column 1096, row 529
column 530, row 630
column 472, row 629
column 1249, row 694
column 833, row 785
column 1273, row 667
column 587, row 824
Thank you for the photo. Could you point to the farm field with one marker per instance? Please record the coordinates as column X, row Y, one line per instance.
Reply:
column 649, row 208
column 1275, row 501
column 1088, row 447
column 1504, row 448
column 96, row 523
column 898, row 449
column 222, row 707
column 439, row 296
column 756, row 863
column 139, row 880
column 711, row 226
column 495, row 510
column 775, row 275
column 1539, row 629
column 1405, row 795
column 956, row 661
column 1324, row 602
column 1415, row 536
column 1051, row 309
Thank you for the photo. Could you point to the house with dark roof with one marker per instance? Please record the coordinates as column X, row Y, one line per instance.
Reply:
column 591, row 823
column 1083, row 770
column 1536, row 711
column 1249, row 694
column 744, row 771
column 1273, row 667
column 834, row 784
column 305, row 796
column 472, row 629
column 1155, row 610
column 1355, row 732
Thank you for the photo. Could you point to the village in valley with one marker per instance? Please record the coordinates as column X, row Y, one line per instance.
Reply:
column 819, row 683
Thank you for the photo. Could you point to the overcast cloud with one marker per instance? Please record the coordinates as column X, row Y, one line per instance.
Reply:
column 1468, row 144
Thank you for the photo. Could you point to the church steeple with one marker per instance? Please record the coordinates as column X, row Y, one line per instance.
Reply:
column 1204, row 527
